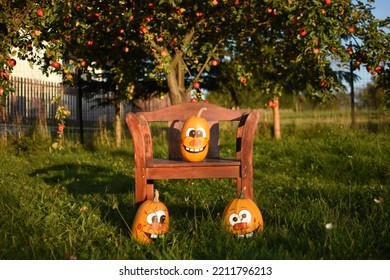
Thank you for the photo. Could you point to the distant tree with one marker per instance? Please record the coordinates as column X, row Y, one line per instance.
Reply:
column 371, row 97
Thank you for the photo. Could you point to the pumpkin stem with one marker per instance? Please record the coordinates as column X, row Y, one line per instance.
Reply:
column 201, row 111
column 156, row 196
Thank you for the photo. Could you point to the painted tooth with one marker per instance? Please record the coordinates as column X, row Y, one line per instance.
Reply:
column 153, row 236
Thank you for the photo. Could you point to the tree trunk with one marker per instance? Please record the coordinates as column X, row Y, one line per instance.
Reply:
column 276, row 115
column 175, row 75
column 118, row 125
column 177, row 92
column 174, row 89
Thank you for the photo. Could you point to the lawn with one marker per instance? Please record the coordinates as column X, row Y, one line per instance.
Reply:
column 323, row 192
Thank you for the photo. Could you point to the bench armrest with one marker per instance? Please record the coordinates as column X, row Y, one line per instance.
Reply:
column 246, row 133
column 244, row 149
column 142, row 139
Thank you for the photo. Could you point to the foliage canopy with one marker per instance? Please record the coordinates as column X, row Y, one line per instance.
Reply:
column 149, row 46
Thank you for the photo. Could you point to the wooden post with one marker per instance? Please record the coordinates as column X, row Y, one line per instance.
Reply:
column 80, row 107
column 353, row 117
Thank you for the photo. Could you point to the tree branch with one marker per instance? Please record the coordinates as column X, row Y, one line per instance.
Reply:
column 207, row 60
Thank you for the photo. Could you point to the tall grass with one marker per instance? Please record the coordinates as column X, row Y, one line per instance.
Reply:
column 323, row 192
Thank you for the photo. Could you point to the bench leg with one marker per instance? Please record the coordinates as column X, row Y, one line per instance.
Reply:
column 150, row 190
column 144, row 190
column 248, row 188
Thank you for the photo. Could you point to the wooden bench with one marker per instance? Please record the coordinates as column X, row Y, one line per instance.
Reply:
column 148, row 168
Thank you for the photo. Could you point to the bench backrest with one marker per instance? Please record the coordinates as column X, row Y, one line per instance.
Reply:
column 176, row 115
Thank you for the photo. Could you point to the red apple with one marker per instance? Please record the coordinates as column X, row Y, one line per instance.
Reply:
column 199, row 14
column 40, row 12
column 214, row 62
column 194, row 100
column 302, row 31
column 294, row 20
column 89, row 43
column 243, row 80
column 83, row 63
column 350, row 50
column 164, row 53
column 378, row 68
column 272, row 104
column 126, row 49
column 328, row 2
column 316, row 50
column 196, row 85
column 356, row 64
column 351, row 29
column 1, row 91
column 11, row 62
column 143, row 30
column 324, row 83
column 55, row 64
column 37, row 32
column 179, row 11
column 4, row 75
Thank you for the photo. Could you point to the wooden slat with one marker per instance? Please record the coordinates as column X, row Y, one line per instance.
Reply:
column 193, row 173
column 156, row 163
column 209, row 168
column 182, row 112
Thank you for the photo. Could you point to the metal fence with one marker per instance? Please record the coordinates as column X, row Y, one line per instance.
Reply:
column 32, row 102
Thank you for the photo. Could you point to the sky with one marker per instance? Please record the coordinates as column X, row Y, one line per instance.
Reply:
column 382, row 9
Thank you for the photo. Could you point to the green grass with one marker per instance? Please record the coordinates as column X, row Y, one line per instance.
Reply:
column 78, row 203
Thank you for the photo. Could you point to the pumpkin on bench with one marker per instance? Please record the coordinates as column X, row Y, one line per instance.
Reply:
column 147, row 168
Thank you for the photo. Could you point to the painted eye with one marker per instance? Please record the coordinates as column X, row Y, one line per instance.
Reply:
column 245, row 216
column 191, row 132
column 233, row 219
column 161, row 216
column 152, row 218
column 201, row 133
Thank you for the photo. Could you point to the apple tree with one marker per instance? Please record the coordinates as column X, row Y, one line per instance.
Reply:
column 291, row 46
column 139, row 46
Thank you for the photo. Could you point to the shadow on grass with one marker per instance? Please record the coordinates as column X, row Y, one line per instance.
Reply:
column 82, row 179
column 102, row 187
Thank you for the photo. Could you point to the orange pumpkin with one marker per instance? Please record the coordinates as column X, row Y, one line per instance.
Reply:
column 151, row 220
column 242, row 217
column 194, row 138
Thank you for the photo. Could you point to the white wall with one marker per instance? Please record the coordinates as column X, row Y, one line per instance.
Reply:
column 23, row 69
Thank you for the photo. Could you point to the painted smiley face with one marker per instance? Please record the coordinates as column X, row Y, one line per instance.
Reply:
column 242, row 217
column 151, row 221
column 194, row 139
